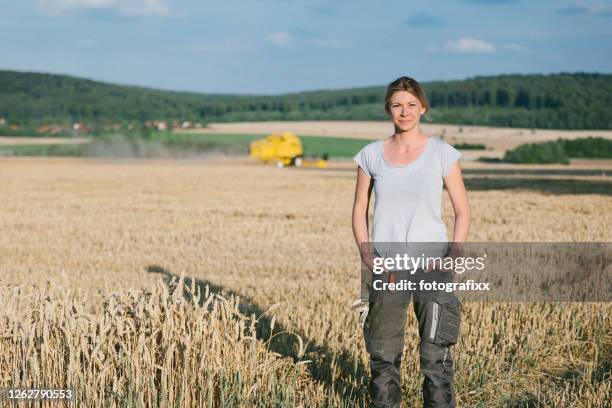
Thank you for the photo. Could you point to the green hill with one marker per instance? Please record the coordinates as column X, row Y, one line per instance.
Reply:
column 563, row 101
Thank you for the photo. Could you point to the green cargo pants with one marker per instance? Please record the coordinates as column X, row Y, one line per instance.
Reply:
column 438, row 314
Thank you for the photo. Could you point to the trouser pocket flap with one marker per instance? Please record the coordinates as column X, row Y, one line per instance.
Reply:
column 446, row 319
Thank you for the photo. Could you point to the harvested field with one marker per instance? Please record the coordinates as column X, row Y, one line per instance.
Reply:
column 270, row 259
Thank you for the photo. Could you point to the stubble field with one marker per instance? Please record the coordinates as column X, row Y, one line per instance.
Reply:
column 90, row 252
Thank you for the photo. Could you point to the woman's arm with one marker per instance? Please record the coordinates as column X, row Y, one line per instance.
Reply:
column 461, row 206
column 363, row 192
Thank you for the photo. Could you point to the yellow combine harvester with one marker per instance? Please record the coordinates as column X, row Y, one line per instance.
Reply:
column 284, row 149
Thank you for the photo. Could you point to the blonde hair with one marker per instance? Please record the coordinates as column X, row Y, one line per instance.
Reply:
column 409, row 85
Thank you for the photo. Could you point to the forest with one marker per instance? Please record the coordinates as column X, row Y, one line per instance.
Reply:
column 555, row 101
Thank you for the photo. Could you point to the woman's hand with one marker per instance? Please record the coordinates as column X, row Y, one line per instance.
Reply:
column 368, row 259
column 448, row 262
column 454, row 253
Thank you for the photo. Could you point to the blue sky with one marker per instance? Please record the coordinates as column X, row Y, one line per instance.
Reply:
column 277, row 46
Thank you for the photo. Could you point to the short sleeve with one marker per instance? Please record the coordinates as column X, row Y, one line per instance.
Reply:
column 449, row 156
column 363, row 161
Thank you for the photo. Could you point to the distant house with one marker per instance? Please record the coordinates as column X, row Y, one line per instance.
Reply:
column 80, row 127
column 52, row 128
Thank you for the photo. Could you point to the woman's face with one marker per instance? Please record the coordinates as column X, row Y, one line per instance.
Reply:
column 405, row 110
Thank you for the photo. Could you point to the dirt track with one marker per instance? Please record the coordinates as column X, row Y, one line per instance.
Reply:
column 22, row 141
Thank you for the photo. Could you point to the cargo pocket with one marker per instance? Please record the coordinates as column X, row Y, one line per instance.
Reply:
column 445, row 319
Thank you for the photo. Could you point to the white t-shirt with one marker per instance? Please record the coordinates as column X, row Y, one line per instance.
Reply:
column 408, row 198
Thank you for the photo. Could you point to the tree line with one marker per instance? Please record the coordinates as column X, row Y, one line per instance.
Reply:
column 555, row 101
column 561, row 150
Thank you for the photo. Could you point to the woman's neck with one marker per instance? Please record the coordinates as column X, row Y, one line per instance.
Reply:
column 409, row 138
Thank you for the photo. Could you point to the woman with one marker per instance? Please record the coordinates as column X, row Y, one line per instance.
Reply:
column 406, row 172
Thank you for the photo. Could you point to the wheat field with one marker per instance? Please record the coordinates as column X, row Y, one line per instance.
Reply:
column 226, row 284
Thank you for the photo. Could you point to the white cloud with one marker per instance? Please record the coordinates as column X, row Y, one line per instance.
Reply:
column 299, row 38
column 280, row 38
column 599, row 7
column 515, row 47
column 469, row 45
column 148, row 8
column 131, row 8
